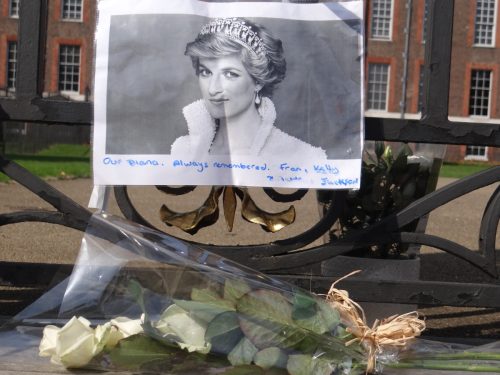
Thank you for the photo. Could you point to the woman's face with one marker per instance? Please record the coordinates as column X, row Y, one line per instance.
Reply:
column 226, row 86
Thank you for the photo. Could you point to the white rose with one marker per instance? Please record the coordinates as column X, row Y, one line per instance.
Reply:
column 128, row 327
column 123, row 327
column 75, row 344
column 48, row 344
column 176, row 321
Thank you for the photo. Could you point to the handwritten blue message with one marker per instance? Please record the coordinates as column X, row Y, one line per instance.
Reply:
column 326, row 175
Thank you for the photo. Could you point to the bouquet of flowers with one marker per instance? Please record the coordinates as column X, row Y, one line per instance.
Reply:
column 139, row 300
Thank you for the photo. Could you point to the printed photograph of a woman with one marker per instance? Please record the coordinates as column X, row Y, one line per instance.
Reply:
column 238, row 64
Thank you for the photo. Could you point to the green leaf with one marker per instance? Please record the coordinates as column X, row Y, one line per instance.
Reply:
column 314, row 315
column 271, row 357
column 137, row 292
column 266, row 319
column 202, row 311
column 387, row 156
column 379, row 149
column 265, row 304
column 134, row 351
column 235, row 289
column 244, row 370
column 401, row 163
column 330, row 316
column 224, row 333
column 265, row 333
column 303, row 364
column 242, row 353
column 304, row 306
column 210, row 296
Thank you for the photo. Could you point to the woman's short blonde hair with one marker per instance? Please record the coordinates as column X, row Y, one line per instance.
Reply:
column 266, row 69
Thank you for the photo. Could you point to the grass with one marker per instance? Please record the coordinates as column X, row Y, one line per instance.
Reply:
column 461, row 170
column 73, row 161
column 58, row 161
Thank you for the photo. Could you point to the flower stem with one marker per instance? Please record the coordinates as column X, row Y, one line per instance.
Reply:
column 430, row 364
column 467, row 355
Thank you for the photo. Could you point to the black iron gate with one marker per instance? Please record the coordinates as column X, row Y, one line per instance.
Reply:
column 284, row 257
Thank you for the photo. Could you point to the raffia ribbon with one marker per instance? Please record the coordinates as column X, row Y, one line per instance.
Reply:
column 393, row 332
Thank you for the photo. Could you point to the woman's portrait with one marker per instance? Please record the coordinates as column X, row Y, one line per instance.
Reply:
column 238, row 65
column 231, row 88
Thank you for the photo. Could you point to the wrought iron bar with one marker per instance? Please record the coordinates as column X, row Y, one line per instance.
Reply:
column 389, row 230
column 437, row 65
column 73, row 215
column 430, row 293
column 32, row 32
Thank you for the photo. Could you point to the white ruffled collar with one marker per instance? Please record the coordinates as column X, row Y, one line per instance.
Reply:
column 202, row 127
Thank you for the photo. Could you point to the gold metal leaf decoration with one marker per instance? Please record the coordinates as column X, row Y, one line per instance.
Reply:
column 229, row 204
column 190, row 222
column 208, row 213
column 271, row 222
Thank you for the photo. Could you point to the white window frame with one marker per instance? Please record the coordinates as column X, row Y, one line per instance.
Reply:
column 391, row 21
column 70, row 93
column 477, row 157
column 489, row 92
column 9, row 62
column 386, row 92
column 70, row 19
column 493, row 31
column 14, row 15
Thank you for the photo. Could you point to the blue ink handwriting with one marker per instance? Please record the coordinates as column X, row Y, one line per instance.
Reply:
column 254, row 167
column 286, row 167
column 325, row 181
column 199, row 165
column 109, row 161
column 326, row 169
column 143, row 163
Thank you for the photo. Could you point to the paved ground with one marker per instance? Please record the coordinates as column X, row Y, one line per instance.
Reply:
column 458, row 220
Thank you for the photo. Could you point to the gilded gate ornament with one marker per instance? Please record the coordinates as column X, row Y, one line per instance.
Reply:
column 208, row 213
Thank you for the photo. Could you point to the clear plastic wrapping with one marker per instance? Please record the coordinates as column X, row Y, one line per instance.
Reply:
column 140, row 300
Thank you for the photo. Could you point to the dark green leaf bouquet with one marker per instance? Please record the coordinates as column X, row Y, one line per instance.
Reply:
column 139, row 300
column 391, row 180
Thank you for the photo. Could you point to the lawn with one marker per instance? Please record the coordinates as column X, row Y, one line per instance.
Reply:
column 73, row 161
column 461, row 170
column 58, row 161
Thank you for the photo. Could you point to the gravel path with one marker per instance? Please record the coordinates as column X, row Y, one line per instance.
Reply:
column 458, row 220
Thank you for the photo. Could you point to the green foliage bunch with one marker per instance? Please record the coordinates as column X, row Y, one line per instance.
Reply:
column 389, row 183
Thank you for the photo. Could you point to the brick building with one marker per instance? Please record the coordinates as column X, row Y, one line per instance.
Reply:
column 395, row 36
column 395, row 55
column 68, row 50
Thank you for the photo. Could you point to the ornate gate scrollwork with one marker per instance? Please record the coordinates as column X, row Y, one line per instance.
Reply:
column 208, row 213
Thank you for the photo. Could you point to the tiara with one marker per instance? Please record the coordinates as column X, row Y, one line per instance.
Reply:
column 237, row 30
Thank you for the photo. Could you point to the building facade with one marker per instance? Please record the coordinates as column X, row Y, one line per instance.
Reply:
column 395, row 43
column 68, row 49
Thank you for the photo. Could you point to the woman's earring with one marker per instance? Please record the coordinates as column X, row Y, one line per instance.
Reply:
column 257, row 98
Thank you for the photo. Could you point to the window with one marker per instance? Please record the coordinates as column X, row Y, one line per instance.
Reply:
column 14, row 8
column 479, row 99
column 69, row 68
column 11, row 65
column 381, row 19
column 72, row 10
column 476, row 152
column 378, row 84
column 485, row 23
